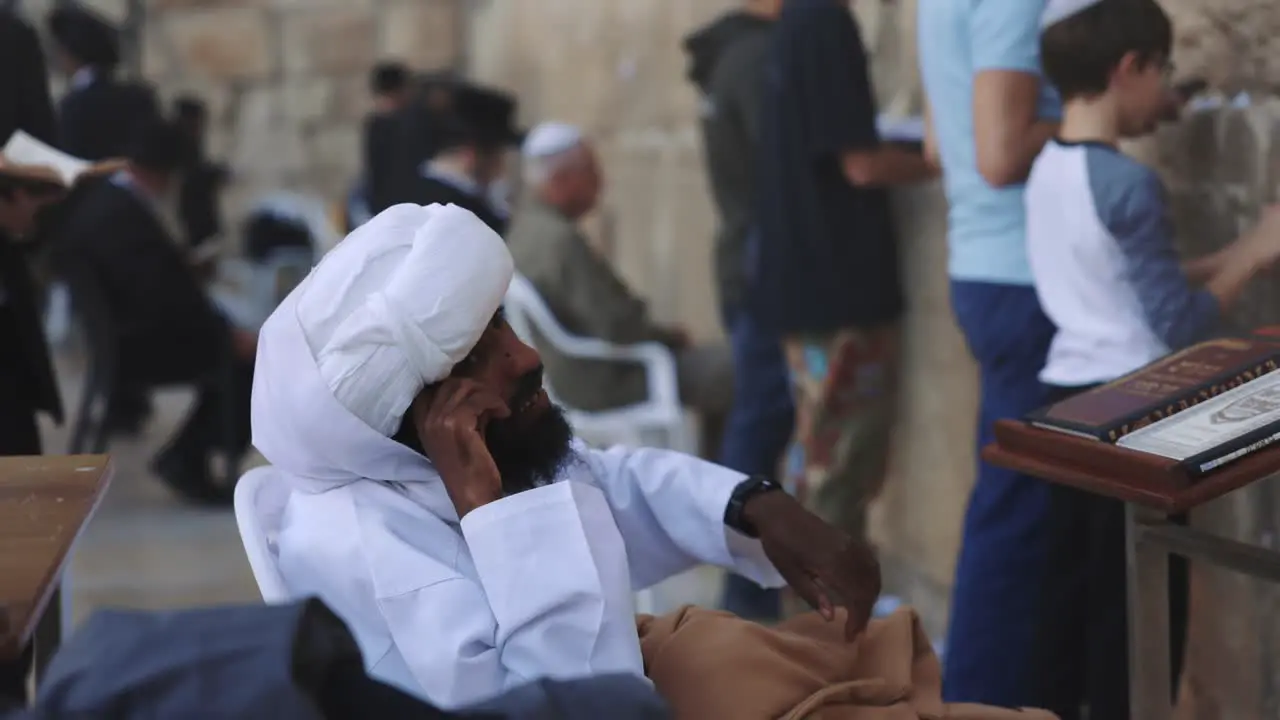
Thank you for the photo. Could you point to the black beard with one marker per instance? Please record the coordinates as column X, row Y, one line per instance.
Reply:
column 530, row 452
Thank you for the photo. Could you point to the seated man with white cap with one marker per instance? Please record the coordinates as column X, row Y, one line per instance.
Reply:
column 439, row 504
column 563, row 182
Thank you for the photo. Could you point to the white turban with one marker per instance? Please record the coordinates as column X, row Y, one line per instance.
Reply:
column 398, row 303
column 1056, row 10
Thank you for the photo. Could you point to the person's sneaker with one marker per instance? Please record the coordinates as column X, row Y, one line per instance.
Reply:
column 191, row 480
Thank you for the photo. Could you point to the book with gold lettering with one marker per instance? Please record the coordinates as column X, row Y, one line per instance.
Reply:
column 1162, row 389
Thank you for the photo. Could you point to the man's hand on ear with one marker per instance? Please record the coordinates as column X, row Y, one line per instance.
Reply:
column 451, row 421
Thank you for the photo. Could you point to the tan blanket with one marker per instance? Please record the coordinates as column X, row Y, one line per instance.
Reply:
column 714, row 666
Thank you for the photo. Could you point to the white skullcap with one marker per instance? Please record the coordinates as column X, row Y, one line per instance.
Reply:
column 398, row 303
column 551, row 138
column 1055, row 10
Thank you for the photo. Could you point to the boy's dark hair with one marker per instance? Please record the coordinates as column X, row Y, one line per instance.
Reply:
column 388, row 77
column 1080, row 52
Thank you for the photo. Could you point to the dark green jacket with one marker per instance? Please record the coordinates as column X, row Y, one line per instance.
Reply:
column 727, row 64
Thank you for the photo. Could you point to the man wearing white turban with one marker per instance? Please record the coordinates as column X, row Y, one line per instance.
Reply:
column 439, row 504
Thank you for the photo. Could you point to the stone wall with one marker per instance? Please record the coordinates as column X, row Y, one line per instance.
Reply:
column 285, row 80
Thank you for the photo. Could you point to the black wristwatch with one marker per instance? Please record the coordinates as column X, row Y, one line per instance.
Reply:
column 747, row 489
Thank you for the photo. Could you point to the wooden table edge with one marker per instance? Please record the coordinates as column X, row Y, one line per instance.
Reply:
column 14, row 642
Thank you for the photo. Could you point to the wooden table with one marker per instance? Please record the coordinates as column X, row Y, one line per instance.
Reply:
column 45, row 503
column 1151, row 497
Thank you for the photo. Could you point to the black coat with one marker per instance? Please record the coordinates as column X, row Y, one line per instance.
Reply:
column 98, row 121
column 385, row 163
column 167, row 328
column 410, row 137
column 198, row 201
column 22, row 337
column 24, row 84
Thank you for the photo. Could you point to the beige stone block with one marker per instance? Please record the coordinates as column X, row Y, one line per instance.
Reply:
column 336, row 147
column 350, row 97
column 1271, row 185
column 1238, row 160
column 157, row 56
column 329, row 40
column 315, row 4
column 158, row 6
column 269, row 152
column 259, row 107
column 306, row 101
column 232, row 43
column 422, row 33
column 114, row 10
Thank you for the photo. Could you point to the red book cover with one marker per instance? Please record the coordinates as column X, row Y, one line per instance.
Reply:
column 1163, row 388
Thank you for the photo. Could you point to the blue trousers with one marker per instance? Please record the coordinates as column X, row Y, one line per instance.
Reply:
column 756, row 436
column 999, row 575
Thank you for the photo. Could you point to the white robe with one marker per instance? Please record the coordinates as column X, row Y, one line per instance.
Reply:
column 538, row 584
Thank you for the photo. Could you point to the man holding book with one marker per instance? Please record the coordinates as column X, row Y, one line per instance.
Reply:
column 168, row 331
column 25, row 103
column 1107, row 274
column 27, row 383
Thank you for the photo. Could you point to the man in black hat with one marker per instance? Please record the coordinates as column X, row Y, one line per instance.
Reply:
column 96, row 119
column 384, row 145
column 24, row 83
column 202, row 179
column 416, row 128
column 166, row 329
column 27, row 382
column 474, row 139
column 98, row 114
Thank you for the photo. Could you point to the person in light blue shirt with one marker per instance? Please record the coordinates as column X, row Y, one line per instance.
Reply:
column 990, row 114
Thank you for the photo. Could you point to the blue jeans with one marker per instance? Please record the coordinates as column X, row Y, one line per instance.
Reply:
column 995, row 602
column 756, row 434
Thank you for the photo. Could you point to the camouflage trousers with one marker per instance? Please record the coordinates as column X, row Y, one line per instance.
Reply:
column 845, row 390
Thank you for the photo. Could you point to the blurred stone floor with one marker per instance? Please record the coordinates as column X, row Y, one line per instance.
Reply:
column 146, row 549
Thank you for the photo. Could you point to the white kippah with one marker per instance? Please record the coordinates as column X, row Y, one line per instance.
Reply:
column 551, row 138
column 1055, row 10
column 398, row 303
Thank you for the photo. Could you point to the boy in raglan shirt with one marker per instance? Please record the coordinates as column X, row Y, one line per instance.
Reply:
column 1107, row 274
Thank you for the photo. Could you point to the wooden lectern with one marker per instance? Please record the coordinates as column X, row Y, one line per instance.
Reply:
column 1153, row 489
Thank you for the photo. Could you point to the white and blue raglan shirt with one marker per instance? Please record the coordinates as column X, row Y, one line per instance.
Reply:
column 1101, row 251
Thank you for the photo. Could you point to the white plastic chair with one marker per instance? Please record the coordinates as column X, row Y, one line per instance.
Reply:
column 260, row 500
column 309, row 210
column 249, row 292
column 659, row 421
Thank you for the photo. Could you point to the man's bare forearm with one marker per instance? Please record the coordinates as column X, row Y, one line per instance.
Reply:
column 886, row 166
column 1019, row 155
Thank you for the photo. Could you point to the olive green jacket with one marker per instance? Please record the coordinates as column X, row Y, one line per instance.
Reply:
column 589, row 300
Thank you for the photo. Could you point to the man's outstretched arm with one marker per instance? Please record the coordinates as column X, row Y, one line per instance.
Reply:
column 670, row 509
